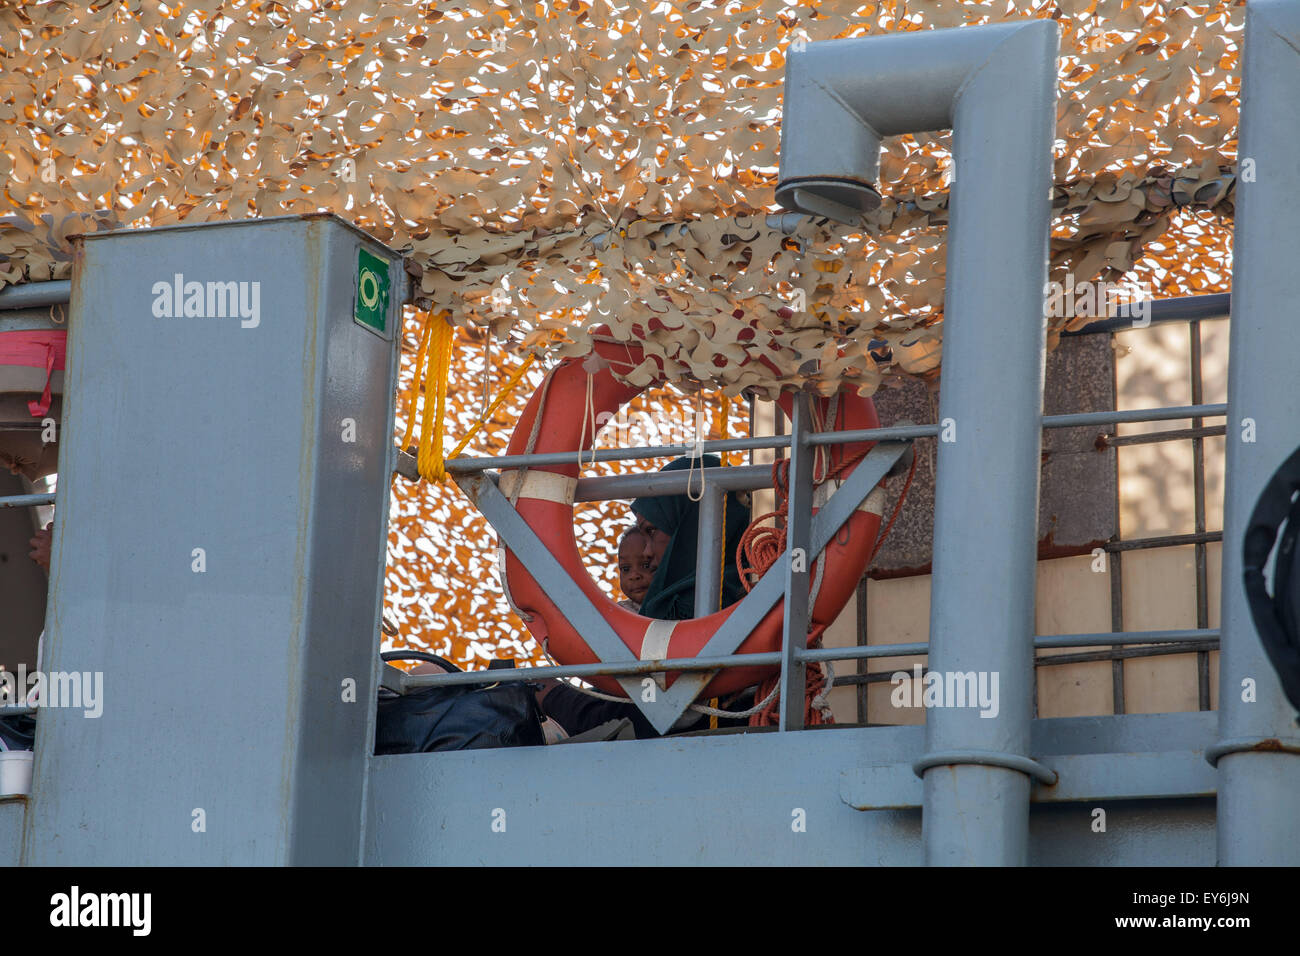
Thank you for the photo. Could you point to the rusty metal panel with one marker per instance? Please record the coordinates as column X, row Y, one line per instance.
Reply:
column 1076, row 510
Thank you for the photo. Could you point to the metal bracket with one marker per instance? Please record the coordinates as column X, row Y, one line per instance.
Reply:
column 1078, row 777
column 394, row 678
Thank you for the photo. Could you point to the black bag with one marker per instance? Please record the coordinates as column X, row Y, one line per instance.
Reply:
column 456, row 718
column 18, row 733
column 1277, row 616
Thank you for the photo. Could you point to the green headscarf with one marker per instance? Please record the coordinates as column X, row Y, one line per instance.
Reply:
column 671, row 596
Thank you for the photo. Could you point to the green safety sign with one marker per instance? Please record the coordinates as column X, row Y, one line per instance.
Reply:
column 372, row 291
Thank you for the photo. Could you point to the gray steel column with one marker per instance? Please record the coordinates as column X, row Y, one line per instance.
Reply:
column 798, row 564
column 708, row 550
column 986, row 492
column 1259, row 789
column 995, row 86
column 219, row 542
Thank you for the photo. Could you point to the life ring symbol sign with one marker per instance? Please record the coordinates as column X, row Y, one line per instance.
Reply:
column 372, row 292
column 369, row 289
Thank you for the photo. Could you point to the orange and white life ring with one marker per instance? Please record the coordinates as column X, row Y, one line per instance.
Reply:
column 545, row 501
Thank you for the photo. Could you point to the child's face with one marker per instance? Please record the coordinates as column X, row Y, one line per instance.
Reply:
column 635, row 567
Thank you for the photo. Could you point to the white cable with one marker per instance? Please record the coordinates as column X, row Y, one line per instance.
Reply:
column 694, row 457
column 718, row 712
column 582, row 690
column 588, row 412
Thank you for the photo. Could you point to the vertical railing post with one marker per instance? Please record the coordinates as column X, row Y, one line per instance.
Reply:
column 708, row 550
column 994, row 86
column 798, row 523
column 976, row 800
column 1258, row 779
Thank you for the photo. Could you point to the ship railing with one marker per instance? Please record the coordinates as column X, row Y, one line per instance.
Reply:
column 715, row 483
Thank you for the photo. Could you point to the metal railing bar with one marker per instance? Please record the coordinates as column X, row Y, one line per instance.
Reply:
column 798, row 528
column 1196, row 636
column 657, row 483
column 860, row 652
column 1116, row 563
column 1198, row 488
column 1186, row 640
column 1163, row 541
column 652, row 484
column 1180, row 434
column 1134, row 415
column 862, row 636
column 508, row 675
column 892, row 433
column 36, row 295
column 1188, row 308
column 470, row 465
column 1127, row 653
column 1084, row 657
column 27, row 501
column 1191, row 635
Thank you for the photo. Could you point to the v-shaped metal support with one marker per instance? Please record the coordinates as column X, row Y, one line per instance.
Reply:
column 668, row 705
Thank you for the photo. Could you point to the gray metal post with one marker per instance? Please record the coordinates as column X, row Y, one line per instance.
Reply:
column 995, row 86
column 1258, row 780
column 708, row 550
column 219, row 546
column 986, row 490
column 798, row 560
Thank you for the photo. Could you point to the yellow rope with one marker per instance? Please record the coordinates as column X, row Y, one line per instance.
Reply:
column 515, row 378
column 413, row 394
column 430, row 461
column 433, row 365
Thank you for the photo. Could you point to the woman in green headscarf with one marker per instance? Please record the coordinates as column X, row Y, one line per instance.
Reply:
column 671, row 527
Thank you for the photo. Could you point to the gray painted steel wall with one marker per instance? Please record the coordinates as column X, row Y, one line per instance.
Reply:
column 222, row 689
column 11, row 831
column 730, row 800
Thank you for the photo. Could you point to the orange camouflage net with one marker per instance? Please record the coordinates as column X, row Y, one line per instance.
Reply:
column 553, row 167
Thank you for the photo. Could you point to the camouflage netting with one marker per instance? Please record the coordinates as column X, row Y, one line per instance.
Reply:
column 550, row 169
